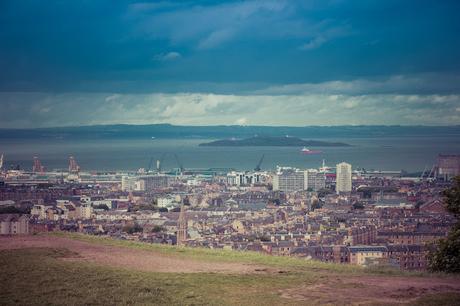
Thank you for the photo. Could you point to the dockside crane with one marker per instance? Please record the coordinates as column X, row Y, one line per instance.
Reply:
column 423, row 173
column 181, row 167
column 432, row 174
column 149, row 168
column 257, row 168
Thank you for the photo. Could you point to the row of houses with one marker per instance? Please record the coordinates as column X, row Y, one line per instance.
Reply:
column 405, row 257
column 14, row 224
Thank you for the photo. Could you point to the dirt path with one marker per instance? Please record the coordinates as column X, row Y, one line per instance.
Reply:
column 341, row 290
column 141, row 260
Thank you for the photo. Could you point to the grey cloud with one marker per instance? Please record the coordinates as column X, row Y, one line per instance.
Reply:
column 40, row 109
column 412, row 84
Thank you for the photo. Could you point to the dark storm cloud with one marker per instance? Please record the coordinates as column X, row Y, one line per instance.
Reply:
column 156, row 55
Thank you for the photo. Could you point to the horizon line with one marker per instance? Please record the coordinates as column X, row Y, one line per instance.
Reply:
column 231, row 125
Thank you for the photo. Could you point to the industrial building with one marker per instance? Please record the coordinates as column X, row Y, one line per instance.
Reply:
column 448, row 166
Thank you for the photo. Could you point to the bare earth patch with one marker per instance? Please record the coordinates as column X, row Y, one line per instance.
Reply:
column 361, row 290
column 141, row 260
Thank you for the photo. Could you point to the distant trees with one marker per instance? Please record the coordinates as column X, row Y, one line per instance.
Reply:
column 101, row 206
column 316, row 205
column 131, row 229
column 358, row 205
column 445, row 257
column 323, row 192
column 14, row 210
column 157, row 229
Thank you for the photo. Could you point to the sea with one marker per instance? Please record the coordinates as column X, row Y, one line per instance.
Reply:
column 412, row 154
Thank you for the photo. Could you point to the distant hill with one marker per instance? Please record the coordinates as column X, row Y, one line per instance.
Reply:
column 124, row 131
column 261, row 141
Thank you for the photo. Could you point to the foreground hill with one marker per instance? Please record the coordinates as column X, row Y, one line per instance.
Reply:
column 77, row 269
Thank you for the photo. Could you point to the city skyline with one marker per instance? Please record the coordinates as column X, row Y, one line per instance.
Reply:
column 201, row 63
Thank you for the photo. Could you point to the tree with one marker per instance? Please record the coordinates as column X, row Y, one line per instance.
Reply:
column 358, row 205
column 445, row 256
column 157, row 229
column 10, row 210
column 102, row 206
column 316, row 205
column 131, row 229
column 418, row 204
column 323, row 192
column 452, row 198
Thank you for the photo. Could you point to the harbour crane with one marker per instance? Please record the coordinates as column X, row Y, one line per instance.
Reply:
column 432, row 173
column 159, row 163
column 181, row 167
column 257, row 168
column 423, row 173
column 149, row 168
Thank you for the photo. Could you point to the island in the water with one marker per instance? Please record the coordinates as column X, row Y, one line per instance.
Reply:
column 265, row 141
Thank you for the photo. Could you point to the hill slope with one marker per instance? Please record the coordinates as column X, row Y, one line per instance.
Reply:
column 80, row 269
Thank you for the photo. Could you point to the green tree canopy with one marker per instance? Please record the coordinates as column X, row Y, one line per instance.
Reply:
column 452, row 198
column 446, row 254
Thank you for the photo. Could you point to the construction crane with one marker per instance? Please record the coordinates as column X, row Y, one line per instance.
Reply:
column 432, row 172
column 73, row 166
column 149, row 168
column 423, row 173
column 257, row 168
column 181, row 167
column 37, row 166
column 159, row 163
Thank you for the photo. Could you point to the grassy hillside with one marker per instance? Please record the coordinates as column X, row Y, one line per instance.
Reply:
column 37, row 276
column 56, row 276
column 220, row 255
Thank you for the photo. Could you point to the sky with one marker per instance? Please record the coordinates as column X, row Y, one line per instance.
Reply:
column 297, row 63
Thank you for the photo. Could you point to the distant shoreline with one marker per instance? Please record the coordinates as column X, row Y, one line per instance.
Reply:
column 270, row 141
column 166, row 131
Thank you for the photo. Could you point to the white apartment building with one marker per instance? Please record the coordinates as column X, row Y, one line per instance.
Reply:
column 343, row 178
column 39, row 211
column 289, row 181
column 165, row 202
column 243, row 178
column 14, row 224
column 128, row 183
column 314, row 179
column 85, row 211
